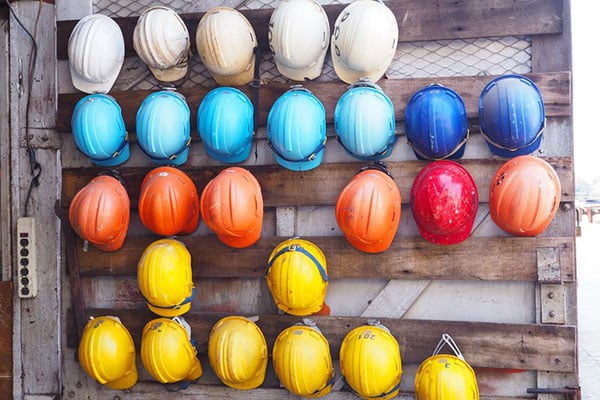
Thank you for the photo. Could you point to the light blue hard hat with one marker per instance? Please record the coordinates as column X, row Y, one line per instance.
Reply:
column 99, row 130
column 163, row 127
column 296, row 129
column 225, row 124
column 364, row 121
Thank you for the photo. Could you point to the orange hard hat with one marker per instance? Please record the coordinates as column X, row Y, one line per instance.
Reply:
column 232, row 206
column 168, row 202
column 524, row 196
column 99, row 213
column 368, row 210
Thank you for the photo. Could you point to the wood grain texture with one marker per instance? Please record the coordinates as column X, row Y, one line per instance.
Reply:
column 6, row 342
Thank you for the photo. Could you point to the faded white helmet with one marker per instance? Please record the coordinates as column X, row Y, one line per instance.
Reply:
column 364, row 41
column 96, row 52
column 161, row 39
column 299, row 37
column 226, row 41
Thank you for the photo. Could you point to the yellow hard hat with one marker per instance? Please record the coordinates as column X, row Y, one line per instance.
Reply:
column 370, row 362
column 167, row 351
column 297, row 277
column 446, row 376
column 237, row 352
column 302, row 360
column 164, row 275
column 107, row 353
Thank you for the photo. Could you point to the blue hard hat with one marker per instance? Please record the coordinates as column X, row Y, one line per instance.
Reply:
column 226, row 124
column 163, row 127
column 436, row 123
column 296, row 129
column 511, row 115
column 99, row 130
column 364, row 121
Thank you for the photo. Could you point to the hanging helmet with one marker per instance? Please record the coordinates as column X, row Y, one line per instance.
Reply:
column 364, row 40
column 226, row 41
column 99, row 213
column 237, row 352
column 232, row 206
column 524, row 196
column 302, row 360
column 299, row 44
column 370, row 362
column 164, row 274
column 368, row 210
column 296, row 129
column 297, row 277
column 226, row 124
column 107, row 353
column 364, row 121
column 99, row 130
column 168, row 203
column 444, row 202
column 436, row 123
column 96, row 52
column 163, row 127
column 168, row 352
column 511, row 115
column 446, row 376
column 161, row 39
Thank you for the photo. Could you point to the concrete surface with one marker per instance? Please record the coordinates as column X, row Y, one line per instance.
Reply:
column 588, row 277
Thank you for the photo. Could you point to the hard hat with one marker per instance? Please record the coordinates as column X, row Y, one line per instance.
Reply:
column 161, row 39
column 164, row 274
column 446, row 376
column 364, row 40
column 444, row 202
column 436, row 123
column 226, row 41
column 107, row 353
column 167, row 351
column 302, row 360
column 524, row 196
column 237, row 352
column 370, row 362
column 296, row 129
column 511, row 115
column 226, row 124
column 96, row 52
column 163, row 127
column 299, row 38
column 168, row 203
column 99, row 130
column 99, row 213
column 297, row 277
column 368, row 210
column 231, row 205
column 364, row 121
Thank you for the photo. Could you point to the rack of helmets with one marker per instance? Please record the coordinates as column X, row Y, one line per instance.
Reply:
column 524, row 194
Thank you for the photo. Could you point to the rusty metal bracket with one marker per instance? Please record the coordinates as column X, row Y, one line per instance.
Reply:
column 570, row 393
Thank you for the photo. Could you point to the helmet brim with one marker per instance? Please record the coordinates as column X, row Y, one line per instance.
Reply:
column 504, row 153
column 302, row 74
column 125, row 382
column 301, row 165
column 240, row 79
column 349, row 76
column 239, row 242
column 118, row 160
column 170, row 312
column 231, row 158
column 169, row 75
column 89, row 87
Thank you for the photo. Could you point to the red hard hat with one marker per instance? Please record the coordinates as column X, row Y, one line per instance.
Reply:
column 232, row 207
column 99, row 213
column 524, row 196
column 168, row 202
column 368, row 210
column 444, row 202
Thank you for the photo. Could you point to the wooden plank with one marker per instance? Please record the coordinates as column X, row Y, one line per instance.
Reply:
column 5, row 156
column 417, row 21
column 396, row 298
column 320, row 186
column 555, row 88
column 6, row 333
column 523, row 346
column 478, row 258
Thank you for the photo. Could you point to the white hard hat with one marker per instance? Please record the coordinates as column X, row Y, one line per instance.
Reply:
column 299, row 37
column 162, row 41
column 364, row 41
column 96, row 52
column 226, row 41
